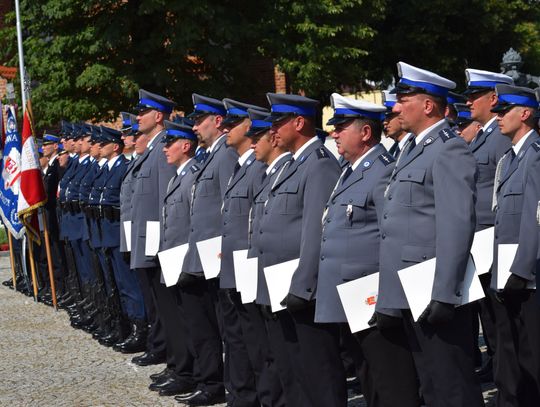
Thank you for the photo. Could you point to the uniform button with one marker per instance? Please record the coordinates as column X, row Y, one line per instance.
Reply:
column 309, row 290
column 328, row 220
column 389, row 197
column 273, row 194
column 260, row 252
column 266, row 212
column 333, row 201
column 224, row 235
column 260, row 232
column 409, row 176
column 424, row 257
column 458, row 293
column 226, row 210
column 192, row 230
column 385, row 216
column 322, row 257
column 383, row 236
column 324, row 239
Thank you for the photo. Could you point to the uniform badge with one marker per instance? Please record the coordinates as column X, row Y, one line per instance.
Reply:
column 428, row 141
column 489, row 130
column 446, row 134
column 248, row 162
column 321, row 153
column 536, row 146
column 367, row 164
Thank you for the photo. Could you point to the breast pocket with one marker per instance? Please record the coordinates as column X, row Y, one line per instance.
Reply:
column 411, row 187
column 354, row 210
column 239, row 200
column 143, row 184
column 288, row 198
column 513, row 199
column 205, row 184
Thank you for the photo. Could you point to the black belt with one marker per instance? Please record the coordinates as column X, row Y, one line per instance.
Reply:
column 111, row 213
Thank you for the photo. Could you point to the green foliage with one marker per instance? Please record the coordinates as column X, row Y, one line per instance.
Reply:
column 88, row 58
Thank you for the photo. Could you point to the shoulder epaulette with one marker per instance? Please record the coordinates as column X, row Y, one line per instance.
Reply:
column 446, row 134
column 321, row 153
column 194, row 168
column 386, row 158
column 536, row 146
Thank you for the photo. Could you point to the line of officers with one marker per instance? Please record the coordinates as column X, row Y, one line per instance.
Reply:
column 263, row 181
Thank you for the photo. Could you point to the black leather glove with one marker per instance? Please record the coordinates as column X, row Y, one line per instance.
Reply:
column 383, row 321
column 438, row 313
column 515, row 283
column 373, row 320
column 186, row 279
column 294, row 303
column 266, row 311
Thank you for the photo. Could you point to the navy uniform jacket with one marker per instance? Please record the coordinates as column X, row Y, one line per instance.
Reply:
column 152, row 175
column 236, row 206
column 66, row 219
column 93, row 199
column 110, row 197
column 51, row 178
column 509, row 209
column 77, row 229
column 126, row 192
column 207, row 197
column 488, row 148
column 428, row 211
column 259, row 201
column 175, row 215
column 350, row 237
column 85, row 188
column 290, row 227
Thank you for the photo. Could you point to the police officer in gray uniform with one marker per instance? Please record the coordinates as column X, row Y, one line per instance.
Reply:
column 350, row 247
column 199, row 297
column 290, row 228
column 429, row 212
column 488, row 147
column 516, row 313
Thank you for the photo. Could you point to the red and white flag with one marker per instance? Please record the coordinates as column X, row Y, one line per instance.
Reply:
column 32, row 191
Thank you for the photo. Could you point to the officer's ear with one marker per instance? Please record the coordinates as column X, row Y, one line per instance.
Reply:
column 493, row 99
column 299, row 123
column 160, row 117
column 218, row 121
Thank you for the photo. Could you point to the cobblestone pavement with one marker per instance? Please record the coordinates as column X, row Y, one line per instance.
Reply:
column 45, row 362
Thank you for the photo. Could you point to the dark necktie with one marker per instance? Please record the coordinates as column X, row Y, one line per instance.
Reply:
column 236, row 169
column 510, row 161
column 346, row 175
column 478, row 135
column 412, row 145
column 396, row 149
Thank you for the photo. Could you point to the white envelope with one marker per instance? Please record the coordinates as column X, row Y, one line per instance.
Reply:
column 278, row 279
column 482, row 250
column 505, row 258
column 151, row 246
column 245, row 274
column 417, row 282
column 358, row 298
column 127, row 233
column 210, row 254
column 171, row 261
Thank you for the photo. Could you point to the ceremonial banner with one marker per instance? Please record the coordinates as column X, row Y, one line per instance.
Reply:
column 11, row 175
column 32, row 191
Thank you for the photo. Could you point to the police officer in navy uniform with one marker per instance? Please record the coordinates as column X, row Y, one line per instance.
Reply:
column 290, row 228
column 179, row 147
column 516, row 311
column 350, row 247
column 392, row 127
column 199, row 297
column 488, row 147
column 428, row 212
column 466, row 127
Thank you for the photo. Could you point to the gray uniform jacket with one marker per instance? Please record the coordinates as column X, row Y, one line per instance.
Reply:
column 206, row 199
column 428, row 212
column 152, row 175
column 126, row 192
column 488, row 148
column 350, row 236
column 510, row 204
column 290, row 227
column 236, row 206
column 175, row 216
column 257, row 210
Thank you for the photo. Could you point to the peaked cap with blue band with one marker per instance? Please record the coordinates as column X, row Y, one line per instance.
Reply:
column 134, row 125
column 454, row 98
column 346, row 109
column 389, row 100
column 77, row 131
column 66, row 128
column 537, row 91
column 259, row 123
column 203, row 105
column 49, row 138
column 109, row 135
column 126, row 121
column 463, row 113
column 285, row 105
column 417, row 80
column 509, row 96
column 481, row 81
column 148, row 100
column 176, row 131
column 96, row 134
column 237, row 111
column 184, row 120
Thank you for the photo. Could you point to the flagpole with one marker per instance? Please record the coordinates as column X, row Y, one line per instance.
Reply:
column 49, row 259
column 32, row 265
column 12, row 258
column 21, row 54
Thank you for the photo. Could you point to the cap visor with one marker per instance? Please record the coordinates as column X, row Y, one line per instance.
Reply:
column 501, row 108
column 339, row 120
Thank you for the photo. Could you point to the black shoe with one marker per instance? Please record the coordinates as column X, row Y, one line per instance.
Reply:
column 485, row 373
column 201, row 398
column 176, row 386
column 149, row 358
column 159, row 376
column 136, row 341
column 8, row 283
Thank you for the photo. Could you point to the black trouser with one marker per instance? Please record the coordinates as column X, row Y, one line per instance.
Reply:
column 179, row 357
column 444, row 359
column 198, row 307
column 487, row 315
column 387, row 374
column 155, row 342
column 515, row 365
